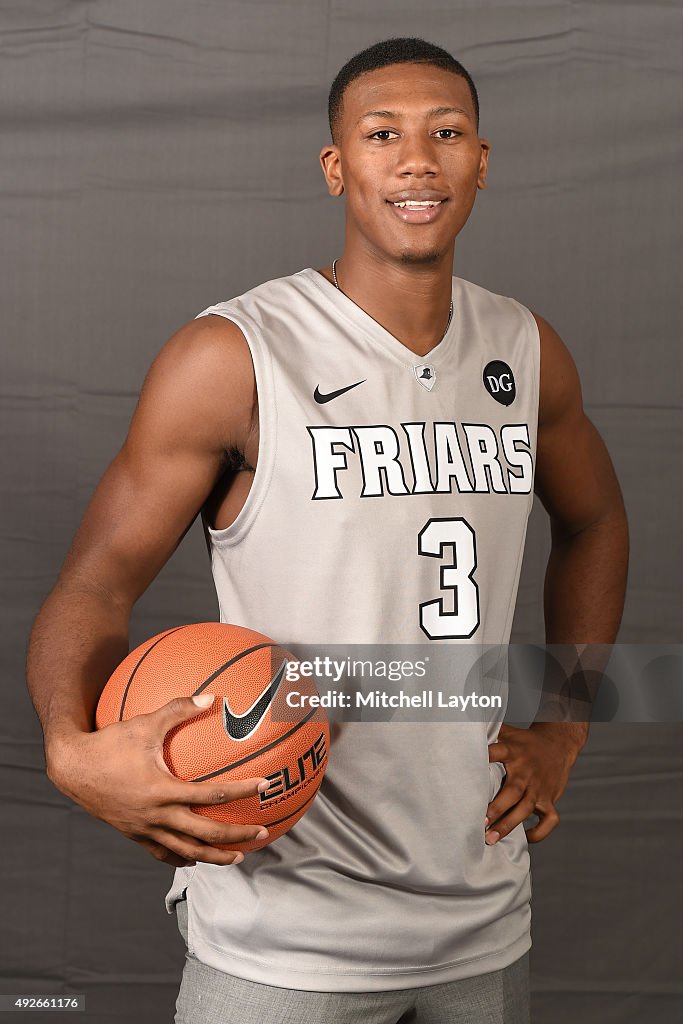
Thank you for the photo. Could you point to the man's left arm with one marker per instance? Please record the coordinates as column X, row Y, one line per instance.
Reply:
column 585, row 585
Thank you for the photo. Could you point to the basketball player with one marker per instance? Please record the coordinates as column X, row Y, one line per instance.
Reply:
column 363, row 442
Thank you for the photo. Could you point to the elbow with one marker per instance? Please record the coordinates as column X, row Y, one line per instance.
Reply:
column 611, row 523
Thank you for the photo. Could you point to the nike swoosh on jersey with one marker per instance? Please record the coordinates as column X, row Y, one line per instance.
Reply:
column 321, row 399
column 241, row 727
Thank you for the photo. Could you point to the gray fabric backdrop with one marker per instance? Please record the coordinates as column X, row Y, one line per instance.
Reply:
column 159, row 157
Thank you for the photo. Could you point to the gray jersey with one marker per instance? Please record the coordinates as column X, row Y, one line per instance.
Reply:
column 389, row 505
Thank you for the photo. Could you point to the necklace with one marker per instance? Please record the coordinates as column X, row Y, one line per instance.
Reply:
column 336, row 284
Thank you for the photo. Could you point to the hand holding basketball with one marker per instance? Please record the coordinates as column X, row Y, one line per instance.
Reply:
column 118, row 774
column 249, row 731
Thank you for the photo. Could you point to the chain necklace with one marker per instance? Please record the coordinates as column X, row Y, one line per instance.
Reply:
column 336, row 284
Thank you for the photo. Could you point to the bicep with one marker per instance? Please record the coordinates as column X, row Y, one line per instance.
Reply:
column 194, row 403
column 575, row 479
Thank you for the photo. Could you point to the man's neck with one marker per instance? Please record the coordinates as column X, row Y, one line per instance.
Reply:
column 409, row 302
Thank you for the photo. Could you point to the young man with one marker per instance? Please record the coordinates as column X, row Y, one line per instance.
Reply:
column 363, row 442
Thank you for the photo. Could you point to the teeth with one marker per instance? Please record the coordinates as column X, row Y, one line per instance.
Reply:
column 411, row 202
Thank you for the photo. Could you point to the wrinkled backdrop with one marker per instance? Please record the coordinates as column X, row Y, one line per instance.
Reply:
column 159, row 157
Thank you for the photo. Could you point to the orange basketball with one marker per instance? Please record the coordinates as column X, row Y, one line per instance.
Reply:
column 239, row 736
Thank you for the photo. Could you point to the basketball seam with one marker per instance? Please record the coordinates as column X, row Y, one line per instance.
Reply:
column 151, row 648
column 206, row 682
column 269, row 824
column 261, row 750
column 237, row 657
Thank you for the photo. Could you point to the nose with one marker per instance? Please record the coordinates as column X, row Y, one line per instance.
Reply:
column 417, row 155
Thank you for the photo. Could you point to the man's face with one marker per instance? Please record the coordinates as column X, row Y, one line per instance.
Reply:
column 407, row 148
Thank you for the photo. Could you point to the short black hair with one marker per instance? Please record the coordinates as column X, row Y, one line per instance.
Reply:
column 400, row 50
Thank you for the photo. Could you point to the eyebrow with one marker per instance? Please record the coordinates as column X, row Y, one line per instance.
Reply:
column 434, row 112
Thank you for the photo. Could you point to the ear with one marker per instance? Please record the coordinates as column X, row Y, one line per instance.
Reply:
column 483, row 162
column 330, row 159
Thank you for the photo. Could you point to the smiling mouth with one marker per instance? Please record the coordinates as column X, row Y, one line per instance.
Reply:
column 417, row 212
column 414, row 203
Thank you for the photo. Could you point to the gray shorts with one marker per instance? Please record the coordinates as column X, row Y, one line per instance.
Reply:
column 208, row 996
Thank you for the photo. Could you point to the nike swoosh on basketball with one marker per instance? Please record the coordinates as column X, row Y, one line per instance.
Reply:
column 321, row 399
column 241, row 727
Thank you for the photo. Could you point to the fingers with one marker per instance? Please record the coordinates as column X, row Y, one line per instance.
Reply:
column 215, row 833
column 163, row 854
column 507, row 797
column 181, row 850
column 549, row 821
column 195, row 836
column 178, row 710
column 172, row 832
column 175, row 812
column 207, row 794
column 499, row 751
column 502, row 826
column 191, row 849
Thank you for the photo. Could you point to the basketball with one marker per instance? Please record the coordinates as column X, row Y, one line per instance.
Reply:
column 238, row 736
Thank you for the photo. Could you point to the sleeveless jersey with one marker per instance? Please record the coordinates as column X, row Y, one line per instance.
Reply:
column 395, row 512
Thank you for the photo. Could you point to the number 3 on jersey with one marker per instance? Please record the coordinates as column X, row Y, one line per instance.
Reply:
column 456, row 576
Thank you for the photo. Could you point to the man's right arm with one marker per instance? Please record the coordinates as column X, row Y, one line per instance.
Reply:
column 196, row 403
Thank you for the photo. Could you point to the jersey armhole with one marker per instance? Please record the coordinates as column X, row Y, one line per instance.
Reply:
column 534, row 342
column 267, row 415
column 533, row 339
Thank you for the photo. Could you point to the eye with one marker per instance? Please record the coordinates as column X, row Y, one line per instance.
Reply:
column 453, row 131
column 382, row 131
